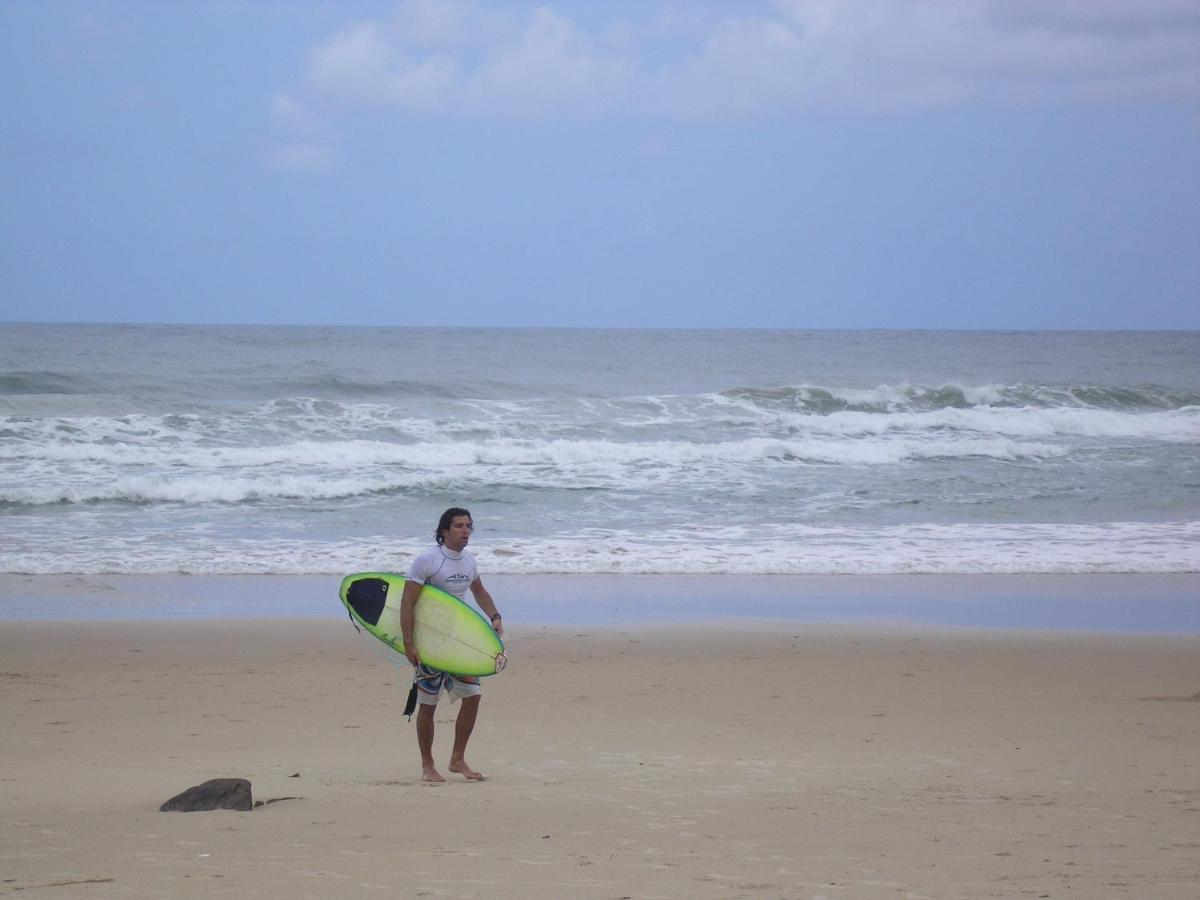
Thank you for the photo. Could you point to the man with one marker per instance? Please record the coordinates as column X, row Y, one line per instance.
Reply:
column 447, row 566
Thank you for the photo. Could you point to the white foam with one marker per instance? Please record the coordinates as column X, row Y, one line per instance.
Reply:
column 77, row 473
column 1049, row 548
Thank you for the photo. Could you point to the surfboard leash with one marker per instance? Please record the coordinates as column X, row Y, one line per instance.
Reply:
column 411, row 705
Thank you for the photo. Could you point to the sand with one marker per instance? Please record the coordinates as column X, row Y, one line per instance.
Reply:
column 779, row 760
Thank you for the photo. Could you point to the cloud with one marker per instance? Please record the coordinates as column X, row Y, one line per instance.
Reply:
column 545, row 66
column 361, row 65
column 293, row 117
column 461, row 58
column 1114, row 17
column 306, row 139
column 896, row 55
column 549, row 67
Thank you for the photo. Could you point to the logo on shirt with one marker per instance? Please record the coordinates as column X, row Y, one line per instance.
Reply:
column 458, row 578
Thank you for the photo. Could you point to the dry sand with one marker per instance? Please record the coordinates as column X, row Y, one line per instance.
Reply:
column 786, row 761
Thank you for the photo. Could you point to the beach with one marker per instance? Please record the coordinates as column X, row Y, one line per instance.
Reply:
column 791, row 614
column 720, row 758
column 808, row 391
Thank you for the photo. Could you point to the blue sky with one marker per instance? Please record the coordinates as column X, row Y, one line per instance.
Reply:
column 791, row 164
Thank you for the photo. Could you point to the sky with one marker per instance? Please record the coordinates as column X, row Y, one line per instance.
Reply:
column 1003, row 164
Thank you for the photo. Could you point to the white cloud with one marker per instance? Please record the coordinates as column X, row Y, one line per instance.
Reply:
column 361, row 65
column 906, row 53
column 459, row 57
column 865, row 55
column 545, row 66
column 293, row 117
column 305, row 138
column 551, row 67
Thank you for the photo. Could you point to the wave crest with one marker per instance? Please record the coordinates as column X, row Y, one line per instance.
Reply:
column 820, row 400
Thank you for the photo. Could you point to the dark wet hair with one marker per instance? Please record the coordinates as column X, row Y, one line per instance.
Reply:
column 447, row 517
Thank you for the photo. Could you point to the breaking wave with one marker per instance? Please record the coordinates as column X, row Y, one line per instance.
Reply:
column 223, row 449
column 818, row 400
column 1073, row 548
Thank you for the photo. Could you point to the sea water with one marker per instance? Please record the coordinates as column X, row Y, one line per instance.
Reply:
column 244, row 450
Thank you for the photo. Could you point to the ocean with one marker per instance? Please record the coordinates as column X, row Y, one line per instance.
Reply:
column 131, row 449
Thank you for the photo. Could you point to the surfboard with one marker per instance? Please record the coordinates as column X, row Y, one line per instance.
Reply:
column 450, row 635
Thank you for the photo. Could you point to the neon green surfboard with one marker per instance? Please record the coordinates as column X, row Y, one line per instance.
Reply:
column 450, row 635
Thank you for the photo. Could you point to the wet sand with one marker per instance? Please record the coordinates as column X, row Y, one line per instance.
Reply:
column 1118, row 603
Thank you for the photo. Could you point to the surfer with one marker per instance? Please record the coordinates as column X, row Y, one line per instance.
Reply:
column 448, row 566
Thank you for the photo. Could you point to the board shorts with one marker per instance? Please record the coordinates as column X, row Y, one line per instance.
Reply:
column 430, row 683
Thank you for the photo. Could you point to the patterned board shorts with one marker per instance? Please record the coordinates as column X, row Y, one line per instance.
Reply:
column 431, row 682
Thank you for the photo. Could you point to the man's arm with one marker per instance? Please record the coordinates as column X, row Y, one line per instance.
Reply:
column 408, row 618
column 484, row 601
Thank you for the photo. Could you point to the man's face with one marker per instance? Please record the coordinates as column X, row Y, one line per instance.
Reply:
column 458, row 534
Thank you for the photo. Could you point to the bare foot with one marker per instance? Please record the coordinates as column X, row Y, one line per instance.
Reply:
column 430, row 775
column 461, row 768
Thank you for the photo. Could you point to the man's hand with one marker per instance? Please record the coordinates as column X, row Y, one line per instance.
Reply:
column 408, row 620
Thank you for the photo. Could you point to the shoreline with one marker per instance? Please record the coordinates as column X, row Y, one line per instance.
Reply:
column 1116, row 603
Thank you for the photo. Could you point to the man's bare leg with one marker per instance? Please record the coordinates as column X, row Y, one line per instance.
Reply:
column 463, row 726
column 429, row 772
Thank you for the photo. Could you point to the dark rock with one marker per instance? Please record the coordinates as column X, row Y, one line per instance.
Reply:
column 218, row 793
